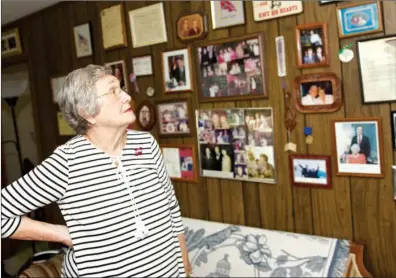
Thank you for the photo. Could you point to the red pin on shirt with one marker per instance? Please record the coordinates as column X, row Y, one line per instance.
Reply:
column 138, row 151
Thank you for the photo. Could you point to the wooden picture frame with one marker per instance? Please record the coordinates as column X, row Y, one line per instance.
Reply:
column 317, row 93
column 175, row 80
column 235, row 70
column 83, row 40
column 11, row 44
column 142, row 65
column 376, row 69
column 312, row 54
column 357, row 18
column 312, row 171
column 113, row 27
column 145, row 115
column 174, row 118
column 118, row 69
column 186, row 168
column 393, row 128
column 360, row 157
column 186, row 32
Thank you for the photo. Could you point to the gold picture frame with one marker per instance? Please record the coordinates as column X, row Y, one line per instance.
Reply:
column 11, row 43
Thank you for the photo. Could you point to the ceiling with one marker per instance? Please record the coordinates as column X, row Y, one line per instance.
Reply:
column 12, row 10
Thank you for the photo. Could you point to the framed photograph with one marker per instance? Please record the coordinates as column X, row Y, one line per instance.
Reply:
column 310, row 170
column 180, row 161
column 174, row 118
column 377, row 69
column 148, row 25
column 325, row 2
column 394, row 182
column 113, row 28
column 358, row 18
column 82, row 40
column 265, row 10
column 11, row 43
column 118, row 70
column 232, row 69
column 145, row 115
column 393, row 128
column 358, row 147
column 317, row 93
column 227, row 13
column 176, row 71
column 142, row 66
column 56, row 85
column 192, row 27
column 236, row 144
column 312, row 47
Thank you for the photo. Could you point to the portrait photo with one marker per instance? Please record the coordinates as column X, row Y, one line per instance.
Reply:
column 176, row 71
column 173, row 118
column 82, row 40
column 355, row 19
column 310, row 170
column 317, row 93
column 192, row 26
column 237, row 144
column 231, row 69
column 312, row 46
column 145, row 115
column 118, row 70
column 180, row 161
column 358, row 147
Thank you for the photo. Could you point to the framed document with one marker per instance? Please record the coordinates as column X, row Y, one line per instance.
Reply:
column 377, row 69
column 180, row 161
column 113, row 28
column 148, row 25
column 142, row 66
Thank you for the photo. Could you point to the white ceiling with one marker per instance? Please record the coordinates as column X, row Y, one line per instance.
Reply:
column 12, row 10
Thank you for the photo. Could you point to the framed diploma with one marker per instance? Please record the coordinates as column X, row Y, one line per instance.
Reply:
column 113, row 28
column 142, row 66
column 180, row 161
column 148, row 25
column 377, row 69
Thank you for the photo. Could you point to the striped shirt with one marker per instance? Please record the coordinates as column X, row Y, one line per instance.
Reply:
column 102, row 208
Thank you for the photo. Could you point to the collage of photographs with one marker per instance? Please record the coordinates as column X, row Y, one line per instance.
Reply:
column 237, row 144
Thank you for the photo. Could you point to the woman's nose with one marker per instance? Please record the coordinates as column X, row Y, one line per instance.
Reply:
column 125, row 97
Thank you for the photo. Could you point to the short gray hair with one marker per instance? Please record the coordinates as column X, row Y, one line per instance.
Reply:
column 78, row 95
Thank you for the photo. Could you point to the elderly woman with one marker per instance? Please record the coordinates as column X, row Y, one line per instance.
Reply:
column 111, row 185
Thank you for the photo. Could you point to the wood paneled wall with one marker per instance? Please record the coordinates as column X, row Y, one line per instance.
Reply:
column 360, row 209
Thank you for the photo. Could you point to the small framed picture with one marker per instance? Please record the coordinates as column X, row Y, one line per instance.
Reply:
column 310, row 170
column 118, row 70
column 142, row 66
column 145, row 115
column 227, row 13
column 192, row 27
column 180, row 161
column 266, row 10
column 174, row 118
column 325, row 2
column 312, row 46
column 317, row 93
column 393, row 128
column 394, row 182
column 176, row 71
column 82, row 40
column 358, row 147
column 56, row 85
column 11, row 43
column 358, row 18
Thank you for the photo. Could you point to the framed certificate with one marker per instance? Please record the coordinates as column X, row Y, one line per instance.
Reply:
column 377, row 69
column 113, row 28
column 142, row 66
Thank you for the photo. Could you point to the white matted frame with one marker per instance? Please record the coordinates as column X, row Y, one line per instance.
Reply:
column 118, row 69
column 82, row 40
column 227, row 13
column 142, row 65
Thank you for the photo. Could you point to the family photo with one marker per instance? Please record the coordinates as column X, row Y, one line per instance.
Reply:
column 317, row 93
column 311, row 45
column 173, row 118
column 176, row 70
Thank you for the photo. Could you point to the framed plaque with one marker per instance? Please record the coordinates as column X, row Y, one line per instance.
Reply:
column 113, row 28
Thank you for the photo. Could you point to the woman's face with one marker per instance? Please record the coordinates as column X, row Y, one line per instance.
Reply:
column 115, row 109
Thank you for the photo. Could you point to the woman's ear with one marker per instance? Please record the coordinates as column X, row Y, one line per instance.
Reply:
column 90, row 119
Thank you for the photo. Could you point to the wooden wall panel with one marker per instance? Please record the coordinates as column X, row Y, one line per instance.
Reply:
column 360, row 209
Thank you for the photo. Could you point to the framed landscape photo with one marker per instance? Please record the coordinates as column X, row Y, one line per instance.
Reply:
column 232, row 69
column 145, row 115
column 312, row 45
column 11, row 43
column 82, row 40
column 317, row 93
column 358, row 147
column 227, row 13
column 359, row 18
column 174, row 118
column 176, row 71
column 180, row 161
column 118, row 70
column 192, row 27
column 236, row 144
column 310, row 170
column 377, row 69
